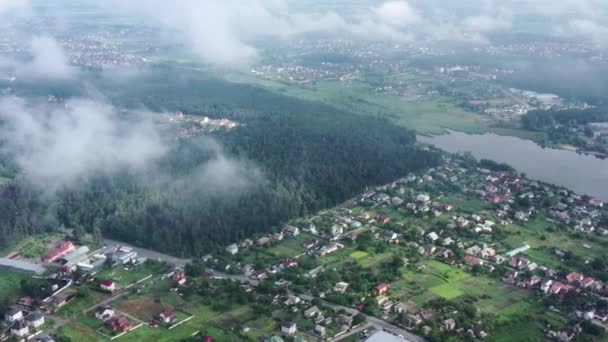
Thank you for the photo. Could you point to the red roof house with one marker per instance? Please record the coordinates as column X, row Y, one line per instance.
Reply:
column 119, row 324
column 108, row 285
column 62, row 249
column 179, row 276
column 380, row 289
column 574, row 277
column 167, row 315
column 383, row 219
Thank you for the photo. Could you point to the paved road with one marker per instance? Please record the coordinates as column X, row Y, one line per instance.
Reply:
column 383, row 325
column 150, row 253
column 242, row 279
column 352, row 332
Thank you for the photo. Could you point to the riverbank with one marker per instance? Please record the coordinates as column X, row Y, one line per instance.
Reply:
column 580, row 172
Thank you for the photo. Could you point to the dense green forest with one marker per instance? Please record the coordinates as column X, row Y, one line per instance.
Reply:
column 294, row 158
column 543, row 119
column 569, row 126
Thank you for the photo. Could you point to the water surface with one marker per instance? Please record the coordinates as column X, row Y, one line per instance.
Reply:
column 582, row 173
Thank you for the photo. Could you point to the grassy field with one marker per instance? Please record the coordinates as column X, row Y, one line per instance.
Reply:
column 10, row 283
column 358, row 255
column 290, row 246
column 430, row 115
column 79, row 331
column 447, row 291
column 544, row 242
column 32, row 246
column 206, row 320
column 465, row 204
column 76, row 306
column 123, row 276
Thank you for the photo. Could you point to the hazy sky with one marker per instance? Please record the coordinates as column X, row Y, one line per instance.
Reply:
column 225, row 32
column 228, row 32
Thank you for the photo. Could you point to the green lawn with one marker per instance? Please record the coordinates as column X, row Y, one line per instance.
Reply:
column 447, row 291
column 290, row 246
column 465, row 204
column 123, row 276
column 10, row 283
column 375, row 259
column 430, row 115
column 358, row 255
column 78, row 331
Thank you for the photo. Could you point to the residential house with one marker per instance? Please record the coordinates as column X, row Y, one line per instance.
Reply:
column 320, row 330
column 167, row 315
column 310, row 244
column 118, row 324
column 278, row 236
column 341, row 287
column 104, row 313
column 289, row 328
column 13, row 314
column 62, row 248
column 545, row 285
column 380, row 289
column 19, row 329
column 473, row 261
column 312, row 312
column 396, row 201
column 447, row 241
column 381, row 299
column 34, row 319
column 585, row 312
column 432, row 236
column 108, row 285
column 336, row 230
column 587, row 282
column 179, row 276
column 292, row 300
column 423, row 198
column 448, row 324
column 574, row 277
column 263, row 240
column 232, row 249
column 291, row 231
column 382, row 218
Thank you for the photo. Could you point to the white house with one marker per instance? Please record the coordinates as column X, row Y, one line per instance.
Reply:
column 433, row 236
column 104, row 313
column 232, row 249
column 35, row 319
column 20, row 329
column 13, row 314
column 289, row 328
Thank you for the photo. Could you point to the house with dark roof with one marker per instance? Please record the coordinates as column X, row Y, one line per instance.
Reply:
column 13, row 314
column 19, row 329
column 34, row 319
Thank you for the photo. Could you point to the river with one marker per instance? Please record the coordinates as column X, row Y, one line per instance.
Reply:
column 584, row 174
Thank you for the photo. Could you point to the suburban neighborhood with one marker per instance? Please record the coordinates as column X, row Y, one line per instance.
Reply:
column 463, row 251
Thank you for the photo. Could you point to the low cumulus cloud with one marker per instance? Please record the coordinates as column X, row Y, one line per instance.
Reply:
column 62, row 146
column 222, row 174
column 7, row 5
column 225, row 32
column 48, row 61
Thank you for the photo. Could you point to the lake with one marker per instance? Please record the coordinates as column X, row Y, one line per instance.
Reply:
column 584, row 174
